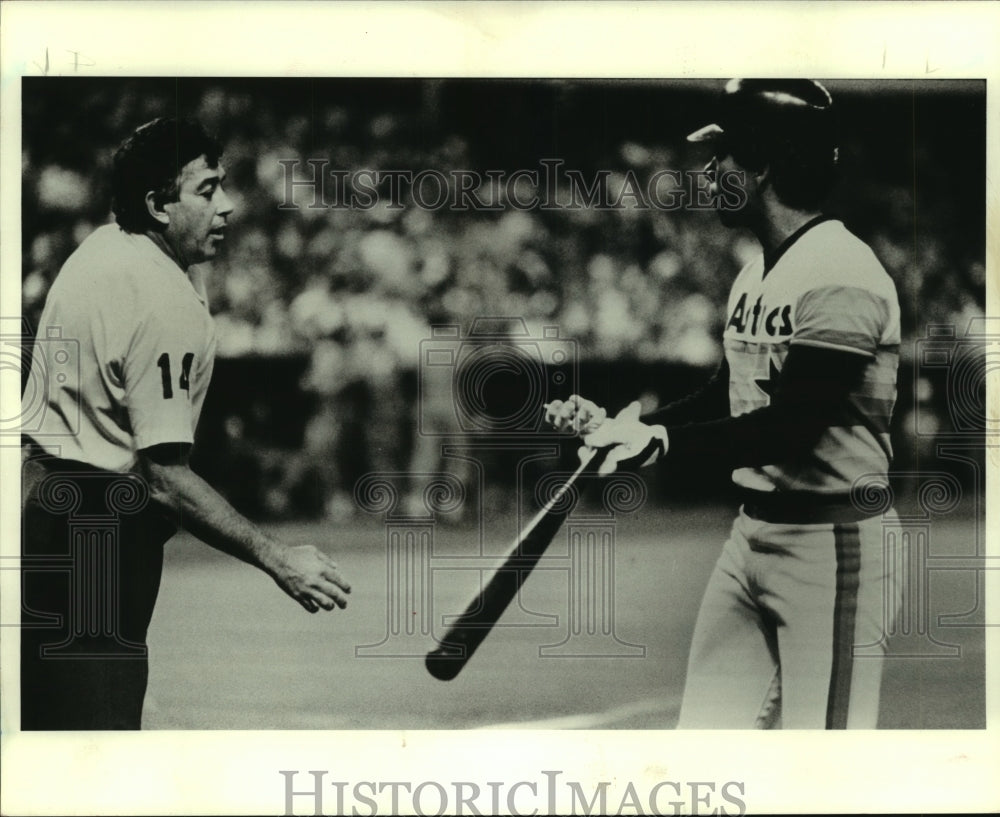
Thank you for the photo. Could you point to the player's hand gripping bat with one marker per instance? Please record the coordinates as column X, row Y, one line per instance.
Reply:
column 467, row 633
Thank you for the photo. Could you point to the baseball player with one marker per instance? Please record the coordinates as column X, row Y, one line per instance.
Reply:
column 115, row 437
column 799, row 411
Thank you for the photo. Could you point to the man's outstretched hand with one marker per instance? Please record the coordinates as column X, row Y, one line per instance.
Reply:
column 311, row 578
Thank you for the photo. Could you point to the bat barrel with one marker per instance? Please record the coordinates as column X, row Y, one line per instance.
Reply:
column 469, row 630
column 444, row 664
column 464, row 636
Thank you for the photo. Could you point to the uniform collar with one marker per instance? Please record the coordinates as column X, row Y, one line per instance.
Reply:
column 772, row 258
column 195, row 279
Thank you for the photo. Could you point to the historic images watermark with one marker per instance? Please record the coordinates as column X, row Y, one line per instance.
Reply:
column 55, row 358
column 486, row 389
column 951, row 366
column 460, row 414
column 482, row 393
column 584, row 620
column 547, row 794
column 315, row 184
column 72, row 578
column 493, row 380
column 958, row 361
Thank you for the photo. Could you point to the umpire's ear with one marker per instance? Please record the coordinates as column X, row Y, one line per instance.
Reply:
column 154, row 206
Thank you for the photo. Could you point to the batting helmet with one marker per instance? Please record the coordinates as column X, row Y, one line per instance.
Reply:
column 787, row 124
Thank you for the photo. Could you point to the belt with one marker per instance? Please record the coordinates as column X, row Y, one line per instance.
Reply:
column 804, row 508
column 37, row 465
column 32, row 452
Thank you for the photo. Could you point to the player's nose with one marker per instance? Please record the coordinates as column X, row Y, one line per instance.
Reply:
column 711, row 171
column 225, row 203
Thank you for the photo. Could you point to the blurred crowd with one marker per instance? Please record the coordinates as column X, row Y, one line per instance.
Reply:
column 357, row 290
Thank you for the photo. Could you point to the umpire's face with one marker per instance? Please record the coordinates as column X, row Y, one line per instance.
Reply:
column 197, row 222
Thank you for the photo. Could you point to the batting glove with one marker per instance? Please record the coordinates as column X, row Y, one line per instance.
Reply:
column 576, row 414
column 635, row 443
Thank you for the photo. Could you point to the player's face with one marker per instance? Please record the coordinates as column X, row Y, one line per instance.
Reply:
column 723, row 164
column 198, row 218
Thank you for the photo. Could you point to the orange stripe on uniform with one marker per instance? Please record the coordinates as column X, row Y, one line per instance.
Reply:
column 848, row 546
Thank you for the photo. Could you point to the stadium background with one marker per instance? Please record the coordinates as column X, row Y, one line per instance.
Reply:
column 321, row 314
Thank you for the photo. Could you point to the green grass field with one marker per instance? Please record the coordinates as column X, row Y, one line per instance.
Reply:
column 230, row 651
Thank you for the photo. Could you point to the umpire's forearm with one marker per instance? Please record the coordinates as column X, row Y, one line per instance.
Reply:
column 195, row 506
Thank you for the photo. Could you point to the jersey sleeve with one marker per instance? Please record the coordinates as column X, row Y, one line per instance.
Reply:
column 811, row 395
column 710, row 402
column 842, row 318
column 158, row 367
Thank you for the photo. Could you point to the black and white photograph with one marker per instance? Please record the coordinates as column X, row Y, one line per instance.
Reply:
column 497, row 441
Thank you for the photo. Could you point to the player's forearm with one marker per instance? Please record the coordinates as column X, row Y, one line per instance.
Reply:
column 195, row 506
column 762, row 437
column 709, row 402
column 811, row 395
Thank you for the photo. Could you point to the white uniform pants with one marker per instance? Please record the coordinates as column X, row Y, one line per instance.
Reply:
column 791, row 629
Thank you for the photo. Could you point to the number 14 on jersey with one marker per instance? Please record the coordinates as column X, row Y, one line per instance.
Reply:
column 183, row 382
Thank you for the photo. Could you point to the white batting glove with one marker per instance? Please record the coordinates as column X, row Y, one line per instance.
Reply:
column 576, row 414
column 635, row 443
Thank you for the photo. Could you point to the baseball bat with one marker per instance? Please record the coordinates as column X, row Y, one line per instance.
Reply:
column 466, row 634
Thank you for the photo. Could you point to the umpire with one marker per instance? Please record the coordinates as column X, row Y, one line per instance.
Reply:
column 121, row 366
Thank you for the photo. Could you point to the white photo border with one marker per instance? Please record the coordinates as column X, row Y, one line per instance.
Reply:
column 238, row 772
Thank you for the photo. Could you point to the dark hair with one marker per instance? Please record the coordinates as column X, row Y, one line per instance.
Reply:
column 151, row 159
column 789, row 126
column 802, row 173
